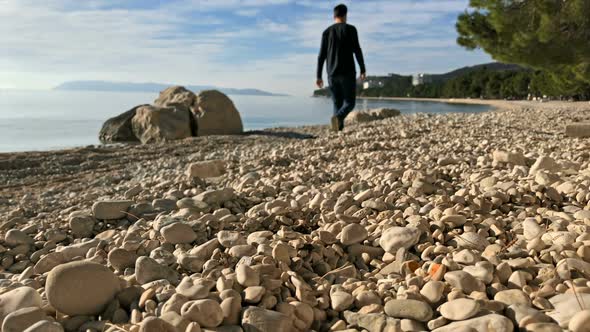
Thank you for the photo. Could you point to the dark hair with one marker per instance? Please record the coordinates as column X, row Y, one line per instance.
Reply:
column 340, row 11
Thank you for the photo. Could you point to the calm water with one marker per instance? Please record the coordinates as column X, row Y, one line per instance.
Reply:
column 45, row 120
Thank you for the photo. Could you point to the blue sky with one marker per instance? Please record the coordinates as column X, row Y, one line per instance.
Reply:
column 265, row 44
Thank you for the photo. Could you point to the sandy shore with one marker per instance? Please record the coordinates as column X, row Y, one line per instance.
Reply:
column 496, row 103
column 416, row 222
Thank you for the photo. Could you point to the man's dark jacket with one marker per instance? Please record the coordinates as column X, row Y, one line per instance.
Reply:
column 339, row 43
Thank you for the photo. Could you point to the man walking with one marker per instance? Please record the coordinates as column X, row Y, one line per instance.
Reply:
column 339, row 43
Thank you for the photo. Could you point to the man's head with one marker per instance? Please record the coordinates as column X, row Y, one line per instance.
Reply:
column 340, row 13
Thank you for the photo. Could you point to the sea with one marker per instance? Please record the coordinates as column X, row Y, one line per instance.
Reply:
column 50, row 120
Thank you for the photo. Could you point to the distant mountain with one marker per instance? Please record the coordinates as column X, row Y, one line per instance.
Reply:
column 151, row 87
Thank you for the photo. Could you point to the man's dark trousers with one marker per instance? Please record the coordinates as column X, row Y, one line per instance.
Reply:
column 343, row 90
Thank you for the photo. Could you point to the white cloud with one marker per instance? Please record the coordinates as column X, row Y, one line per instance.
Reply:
column 248, row 12
column 273, row 27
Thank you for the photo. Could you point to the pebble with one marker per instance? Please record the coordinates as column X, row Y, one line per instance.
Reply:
column 81, row 224
column 15, row 237
column 459, row 309
column 111, row 210
column 433, row 291
column 395, row 238
column 207, row 313
column 566, row 306
column 19, row 298
column 23, row 318
column 155, row 324
column 580, row 322
column 341, row 300
column 178, row 233
column 513, row 296
column 411, row 309
column 259, row 319
column 353, row 233
column 206, row 169
column 81, row 288
column 464, row 281
column 246, row 276
column 487, row 323
column 532, row 229
column 120, row 259
column 147, row 270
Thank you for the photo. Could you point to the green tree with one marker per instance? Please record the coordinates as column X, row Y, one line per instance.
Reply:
column 549, row 35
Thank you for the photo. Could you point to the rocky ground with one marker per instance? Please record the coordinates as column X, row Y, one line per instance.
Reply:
column 449, row 223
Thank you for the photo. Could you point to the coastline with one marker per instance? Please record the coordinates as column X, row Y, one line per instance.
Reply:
column 41, row 168
column 495, row 103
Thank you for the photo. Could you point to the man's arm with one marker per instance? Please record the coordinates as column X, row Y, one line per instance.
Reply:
column 358, row 53
column 322, row 58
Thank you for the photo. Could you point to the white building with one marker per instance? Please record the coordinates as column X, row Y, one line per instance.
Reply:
column 419, row 79
column 372, row 84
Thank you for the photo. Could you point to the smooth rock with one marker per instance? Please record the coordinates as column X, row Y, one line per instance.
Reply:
column 580, row 322
column 256, row 319
column 464, row 281
column 207, row 313
column 178, row 232
column 155, row 324
column 206, row 169
column 513, row 296
column 459, row 309
column 399, row 237
column 147, row 270
column 487, row 323
column 15, row 237
column 353, row 233
column 216, row 114
column 246, row 276
column 566, row 306
column 81, row 224
column 81, row 288
column 19, row 298
column 21, row 319
column 341, row 300
column 110, row 210
column 411, row 309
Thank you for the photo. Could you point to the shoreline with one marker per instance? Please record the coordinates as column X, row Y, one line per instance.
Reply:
column 495, row 104
column 245, row 133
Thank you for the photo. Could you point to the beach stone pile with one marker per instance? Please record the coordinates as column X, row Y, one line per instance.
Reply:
column 357, row 117
column 446, row 223
column 176, row 114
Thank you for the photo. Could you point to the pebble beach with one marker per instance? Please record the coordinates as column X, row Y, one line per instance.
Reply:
column 451, row 222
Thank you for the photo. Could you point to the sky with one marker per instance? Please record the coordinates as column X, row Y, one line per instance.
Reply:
column 265, row 44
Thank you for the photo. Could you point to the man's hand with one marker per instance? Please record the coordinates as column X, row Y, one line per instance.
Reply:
column 319, row 83
column 363, row 76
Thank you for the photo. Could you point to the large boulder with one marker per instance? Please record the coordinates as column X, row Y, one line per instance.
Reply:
column 118, row 128
column 176, row 95
column 216, row 114
column 155, row 123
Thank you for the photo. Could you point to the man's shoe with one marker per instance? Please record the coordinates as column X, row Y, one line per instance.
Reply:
column 335, row 124
column 340, row 124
